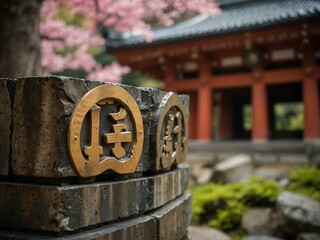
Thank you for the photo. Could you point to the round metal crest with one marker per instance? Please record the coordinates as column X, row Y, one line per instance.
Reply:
column 172, row 132
column 105, row 132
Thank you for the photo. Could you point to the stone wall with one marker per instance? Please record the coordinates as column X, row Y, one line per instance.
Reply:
column 89, row 160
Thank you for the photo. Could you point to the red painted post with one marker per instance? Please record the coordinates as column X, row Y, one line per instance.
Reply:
column 310, row 97
column 204, row 114
column 260, row 125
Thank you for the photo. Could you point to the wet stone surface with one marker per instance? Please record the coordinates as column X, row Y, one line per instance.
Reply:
column 6, row 100
column 56, row 177
column 42, row 111
column 166, row 222
column 173, row 219
column 71, row 207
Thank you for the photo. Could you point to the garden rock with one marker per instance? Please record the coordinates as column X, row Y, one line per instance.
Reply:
column 205, row 175
column 259, row 221
column 234, row 169
column 298, row 213
column 200, row 168
column 206, row 233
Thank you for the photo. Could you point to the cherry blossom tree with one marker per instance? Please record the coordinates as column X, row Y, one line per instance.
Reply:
column 66, row 45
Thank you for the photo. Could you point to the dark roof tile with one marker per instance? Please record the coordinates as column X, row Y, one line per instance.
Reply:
column 245, row 15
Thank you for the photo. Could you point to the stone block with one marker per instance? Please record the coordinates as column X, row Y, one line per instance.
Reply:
column 260, row 221
column 206, row 233
column 138, row 228
column 69, row 208
column 169, row 222
column 42, row 111
column 298, row 213
column 235, row 169
column 173, row 219
column 6, row 101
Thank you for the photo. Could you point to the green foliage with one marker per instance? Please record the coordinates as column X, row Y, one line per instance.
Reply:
column 101, row 56
column 247, row 117
column 222, row 205
column 306, row 181
column 65, row 50
column 69, row 17
column 306, row 176
column 289, row 116
column 135, row 78
column 228, row 217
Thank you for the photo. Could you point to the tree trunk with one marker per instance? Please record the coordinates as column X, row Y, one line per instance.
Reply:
column 20, row 49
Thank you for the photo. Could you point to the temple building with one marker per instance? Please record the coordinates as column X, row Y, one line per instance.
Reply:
column 239, row 68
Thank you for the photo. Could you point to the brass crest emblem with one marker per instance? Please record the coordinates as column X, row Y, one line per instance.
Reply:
column 105, row 132
column 172, row 132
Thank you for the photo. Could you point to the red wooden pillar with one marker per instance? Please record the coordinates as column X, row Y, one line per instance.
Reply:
column 310, row 99
column 204, row 103
column 204, row 114
column 260, row 125
column 169, row 77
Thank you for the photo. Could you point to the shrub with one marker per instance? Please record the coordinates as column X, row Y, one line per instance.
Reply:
column 306, row 181
column 222, row 205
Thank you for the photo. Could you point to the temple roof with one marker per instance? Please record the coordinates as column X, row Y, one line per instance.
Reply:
column 236, row 16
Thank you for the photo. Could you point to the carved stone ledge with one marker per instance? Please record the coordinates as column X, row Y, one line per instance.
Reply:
column 69, row 208
column 42, row 135
column 167, row 220
column 6, row 101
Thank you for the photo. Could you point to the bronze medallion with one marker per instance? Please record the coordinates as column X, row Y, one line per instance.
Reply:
column 105, row 132
column 172, row 132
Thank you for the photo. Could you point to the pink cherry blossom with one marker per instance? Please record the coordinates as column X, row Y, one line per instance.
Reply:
column 121, row 15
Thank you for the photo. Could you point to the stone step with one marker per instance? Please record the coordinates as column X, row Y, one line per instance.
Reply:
column 169, row 222
column 71, row 207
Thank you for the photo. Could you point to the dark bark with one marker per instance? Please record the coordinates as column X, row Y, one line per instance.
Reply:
column 20, row 49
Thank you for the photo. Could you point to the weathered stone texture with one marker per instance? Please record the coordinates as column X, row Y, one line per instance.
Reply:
column 139, row 228
column 173, row 219
column 260, row 221
column 206, row 233
column 68, row 208
column 298, row 213
column 235, row 169
column 169, row 222
column 42, row 110
column 6, row 101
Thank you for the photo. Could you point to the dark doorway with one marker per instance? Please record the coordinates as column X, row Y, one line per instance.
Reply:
column 286, row 111
column 235, row 113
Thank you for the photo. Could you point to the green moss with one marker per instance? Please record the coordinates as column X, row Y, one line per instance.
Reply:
column 222, row 205
column 306, row 181
column 306, row 177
